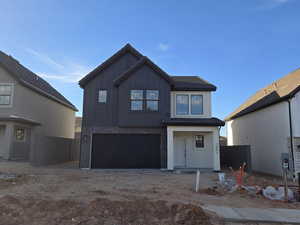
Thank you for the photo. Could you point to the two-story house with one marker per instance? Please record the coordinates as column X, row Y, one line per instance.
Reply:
column 135, row 115
column 30, row 108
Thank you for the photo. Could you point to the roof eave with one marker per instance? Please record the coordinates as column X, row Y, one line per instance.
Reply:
column 108, row 62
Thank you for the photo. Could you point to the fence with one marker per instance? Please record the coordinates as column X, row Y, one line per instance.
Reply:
column 53, row 150
column 234, row 156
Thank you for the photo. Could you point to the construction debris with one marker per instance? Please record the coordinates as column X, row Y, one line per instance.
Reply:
column 236, row 182
column 277, row 193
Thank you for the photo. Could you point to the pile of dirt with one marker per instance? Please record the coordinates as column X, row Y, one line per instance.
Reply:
column 212, row 191
column 15, row 211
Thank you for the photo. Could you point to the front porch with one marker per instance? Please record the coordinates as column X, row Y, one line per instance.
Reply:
column 16, row 136
column 193, row 147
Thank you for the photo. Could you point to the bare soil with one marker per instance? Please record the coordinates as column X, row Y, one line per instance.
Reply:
column 63, row 194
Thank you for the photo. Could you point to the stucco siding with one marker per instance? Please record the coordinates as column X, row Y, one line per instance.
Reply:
column 267, row 132
column 6, row 78
column 206, row 104
column 295, row 111
column 56, row 120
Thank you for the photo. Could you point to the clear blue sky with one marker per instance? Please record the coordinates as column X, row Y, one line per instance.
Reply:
column 238, row 45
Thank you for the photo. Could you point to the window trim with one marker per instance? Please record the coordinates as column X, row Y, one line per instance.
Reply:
column 105, row 96
column 191, row 113
column 11, row 96
column 144, row 101
column 189, row 105
column 15, row 132
column 195, row 142
column 151, row 100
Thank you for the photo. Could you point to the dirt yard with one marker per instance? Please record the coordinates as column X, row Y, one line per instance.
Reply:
column 66, row 195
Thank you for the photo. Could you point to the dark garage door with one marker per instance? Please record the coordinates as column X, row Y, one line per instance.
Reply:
column 126, row 151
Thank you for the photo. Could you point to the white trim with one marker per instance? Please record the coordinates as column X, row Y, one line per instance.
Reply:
column 11, row 96
column 170, row 143
column 206, row 104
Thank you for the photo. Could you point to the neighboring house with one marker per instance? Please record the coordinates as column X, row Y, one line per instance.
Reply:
column 29, row 108
column 223, row 141
column 135, row 115
column 267, row 121
column 78, row 121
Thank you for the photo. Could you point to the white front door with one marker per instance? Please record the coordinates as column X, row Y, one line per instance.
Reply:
column 180, row 150
column 189, row 154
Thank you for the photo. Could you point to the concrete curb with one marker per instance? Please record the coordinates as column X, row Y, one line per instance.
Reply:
column 271, row 215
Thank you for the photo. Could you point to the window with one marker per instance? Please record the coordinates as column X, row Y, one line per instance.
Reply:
column 196, row 104
column 5, row 94
column 152, row 100
column 136, row 97
column 20, row 134
column 182, row 104
column 102, row 98
column 199, row 141
column 189, row 104
column 141, row 100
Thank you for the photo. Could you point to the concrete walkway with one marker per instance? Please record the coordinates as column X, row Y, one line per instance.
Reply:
column 271, row 215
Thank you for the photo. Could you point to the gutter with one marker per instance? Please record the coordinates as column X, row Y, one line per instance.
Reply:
column 291, row 134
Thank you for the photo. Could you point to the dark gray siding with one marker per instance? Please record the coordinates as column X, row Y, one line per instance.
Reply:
column 144, row 78
column 98, row 114
column 115, row 116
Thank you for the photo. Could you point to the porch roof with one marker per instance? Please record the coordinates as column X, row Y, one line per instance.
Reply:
column 20, row 120
column 210, row 122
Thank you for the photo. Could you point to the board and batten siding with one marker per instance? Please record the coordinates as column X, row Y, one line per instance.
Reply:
column 267, row 132
column 100, row 114
column 144, row 78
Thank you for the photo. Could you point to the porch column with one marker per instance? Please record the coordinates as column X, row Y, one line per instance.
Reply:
column 216, row 149
column 170, row 146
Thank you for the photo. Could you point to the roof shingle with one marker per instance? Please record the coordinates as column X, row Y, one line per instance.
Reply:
column 280, row 90
column 31, row 80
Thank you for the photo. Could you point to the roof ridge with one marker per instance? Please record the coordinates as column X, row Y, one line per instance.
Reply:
column 144, row 59
column 109, row 61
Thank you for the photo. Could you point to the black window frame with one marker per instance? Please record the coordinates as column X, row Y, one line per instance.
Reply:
column 144, row 100
column 202, row 143
column 136, row 100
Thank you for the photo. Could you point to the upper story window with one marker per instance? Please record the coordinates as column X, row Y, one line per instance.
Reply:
column 102, row 97
column 6, row 91
column 182, row 104
column 136, row 97
column 196, row 104
column 189, row 104
column 144, row 100
column 152, row 100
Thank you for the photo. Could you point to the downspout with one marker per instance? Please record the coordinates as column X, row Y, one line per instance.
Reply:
column 291, row 133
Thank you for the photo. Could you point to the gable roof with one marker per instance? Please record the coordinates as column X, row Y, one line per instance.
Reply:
column 179, row 83
column 127, row 48
column 31, row 80
column 280, row 90
column 144, row 60
column 192, row 83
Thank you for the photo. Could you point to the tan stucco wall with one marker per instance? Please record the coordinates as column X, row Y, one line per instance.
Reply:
column 56, row 119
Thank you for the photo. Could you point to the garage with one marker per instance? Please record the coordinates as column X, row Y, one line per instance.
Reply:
column 126, row 151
